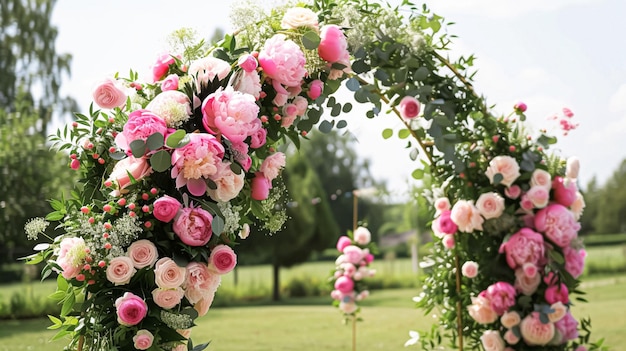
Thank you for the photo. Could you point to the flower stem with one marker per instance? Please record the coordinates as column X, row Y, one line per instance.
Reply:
column 459, row 304
column 354, row 332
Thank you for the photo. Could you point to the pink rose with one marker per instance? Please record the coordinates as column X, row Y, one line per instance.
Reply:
column 168, row 275
column 542, row 178
column 120, row 270
column 316, row 88
column 520, row 107
column 138, row 168
column 574, row 261
column 140, row 125
column 162, row 66
column 170, row 83
column 344, row 284
column 333, row 44
column 409, row 107
column 143, row 339
column 567, row 327
column 513, row 192
column 510, row 338
column 572, row 167
column 193, row 226
column 230, row 113
column 490, row 205
column 228, row 183
column 167, row 298
column 166, row 208
column 558, row 224
column 492, row 341
column 248, row 83
column 173, row 106
column 539, row 196
column 448, row 241
column 143, row 253
column 343, row 242
column 272, row 165
column 565, row 190
column 466, row 216
column 560, row 311
column 260, row 187
column 525, row 246
column 353, row 254
column 578, row 206
column 442, row 204
column 131, row 309
column 248, row 63
column 557, row 293
column 108, row 94
column 510, row 319
column 445, row 224
column 206, row 69
column 195, row 162
column 71, row 257
column 201, row 282
column 469, row 269
column 525, row 284
column 506, row 166
column 222, row 260
column 297, row 17
column 362, row 236
column 534, row 332
column 283, row 61
column 302, row 104
column 280, row 99
column 480, row 310
column 501, row 296
column 258, row 138
column 348, row 307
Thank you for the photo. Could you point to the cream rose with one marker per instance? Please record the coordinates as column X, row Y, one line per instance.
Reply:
column 510, row 319
column 466, row 216
column 120, row 270
column 560, row 310
column 539, row 196
column 578, row 205
column 480, row 310
column 492, row 341
column 541, row 178
column 168, row 275
column 143, row 253
column 506, row 166
column 167, row 298
column 299, row 17
column 362, row 236
column 490, row 205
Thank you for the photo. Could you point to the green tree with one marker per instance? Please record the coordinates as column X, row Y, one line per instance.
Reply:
column 611, row 211
column 592, row 195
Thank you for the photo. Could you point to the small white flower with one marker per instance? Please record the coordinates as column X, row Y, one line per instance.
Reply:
column 415, row 337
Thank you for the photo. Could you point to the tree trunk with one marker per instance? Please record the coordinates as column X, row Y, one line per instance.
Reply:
column 276, row 281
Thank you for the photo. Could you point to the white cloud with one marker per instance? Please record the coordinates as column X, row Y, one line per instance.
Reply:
column 504, row 8
column 617, row 102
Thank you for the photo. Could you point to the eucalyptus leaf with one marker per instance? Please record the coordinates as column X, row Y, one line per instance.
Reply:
column 175, row 138
column 155, row 141
column 310, row 40
column 418, row 174
column 138, row 148
column 160, row 161
column 353, row 84
column 404, row 133
column 341, row 124
column 217, row 225
column 326, row 126
column 387, row 133
column 497, row 178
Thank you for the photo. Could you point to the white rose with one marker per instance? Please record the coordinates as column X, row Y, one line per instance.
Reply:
column 299, row 17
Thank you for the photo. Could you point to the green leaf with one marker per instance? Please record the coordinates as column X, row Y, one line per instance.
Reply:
column 55, row 216
column 359, row 66
column 138, row 148
column 497, row 178
column 68, row 304
column 403, row 133
column 154, row 141
column 347, row 107
column 556, row 256
column 341, row 124
column 421, row 74
column 161, row 161
column 387, row 133
column 326, row 126
column 310, row 40
column 217, row 225
column 353, row 84
column 418, row 174
column 174, row 139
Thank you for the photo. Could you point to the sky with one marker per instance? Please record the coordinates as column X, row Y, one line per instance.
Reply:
column 548, row 54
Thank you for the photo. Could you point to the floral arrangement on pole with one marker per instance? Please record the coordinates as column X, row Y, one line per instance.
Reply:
column 352, row 268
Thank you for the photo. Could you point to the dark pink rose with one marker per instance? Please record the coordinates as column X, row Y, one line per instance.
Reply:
column 409, row 107
column 166, row 208
column 260, row 187
column 131, row 309
column 108, row 94
column 501, row 296
column 557, row 292
column 193, row 226
column 161, row 66
column 333, row 43
column 344, row 284
column 557, row 223
column 525, row 246
column 316, row 88
column 446, row 225
column 574, row 261
column 248, row 63
column 343, row 242
column 564, row 191
column 140, row 125
column 222, row 260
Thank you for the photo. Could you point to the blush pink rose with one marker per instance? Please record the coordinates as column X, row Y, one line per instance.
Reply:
column 143, row 339
column 557, row 293
column 442, row 204
column 572, row 167
column 362, row 236
column 513, row 192
column 409, row 107
column 140, row 125
column 541, row 178
column 492, row 341
column 130, row 309
column 195, row 162
column 353, row 254
column 344, row 285
column 297, row 17
column 162, row 66
column 283, row 61
column 143, row 253
column 525, row 246
column 167, row 298
column 445, row 223
column 248, row 83
column 230, row 113
column 501, row 296
column 480, row 310
column 316, row 88
column 166, row 208
column 173, row 106
column 138, row 168
column 448, row 241
column 578, row 206
column 469, row 269
column 510, row 338
column 120, row 270
column 260, row 187
column 168, row 275
column 560, row 310
column 507, row 166
column 201, row 282
column 567, row 327
column 490, row 205
column 466, row 216
column 527, row 285
column 565, row 191
column 333, row 43
column 534, row 332
column 228, row 183
column 109, row 94
column 510, row 319
column 170, row 83
column 558, row 224
column 193, row 226
column 343, row 242
column 272, row 165
column 280, row 99
column 574, row 261
column 206, row 70
column 222, row 259
column 71, row 256
column 539, row 196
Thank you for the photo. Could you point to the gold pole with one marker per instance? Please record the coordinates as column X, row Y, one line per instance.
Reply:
column 81, row 341
column 354, row 333
column 459, row 305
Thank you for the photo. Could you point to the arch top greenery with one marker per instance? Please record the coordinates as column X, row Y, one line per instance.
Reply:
column 176, row 168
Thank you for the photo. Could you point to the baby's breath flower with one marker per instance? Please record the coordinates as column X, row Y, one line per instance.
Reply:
column 176, row 321
column 34, row 227
column 231, row 216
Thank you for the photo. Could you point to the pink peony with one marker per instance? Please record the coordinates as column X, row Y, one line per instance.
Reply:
column 283, row 61
column 343, row 242
column 445, row 224
column 193, row 226
column 362, row 236
column 506, row 166
column 520, row 107
column 558, row 224
column 228, row 183
column 565, row 191
column 574, row 261
column 206, row 70
column 143, row 253
column 333, row 44
column 140, row 125
column 525, row 246
column 130, row 309
column 344, row 284
column 469, row 269
column 168, row 275
column 137, row 168
column 316, row 88
column 567, row 327
column 167, row 298
column 120, row 270
column 466, row 216
column 480, row 310
column 71, row 256
column 541, row 178
column 260, row 187
column 162, row 66
column 557, row 293
column 195, row 162
column 230, row 113
column 173, row 106
column 201, row 282
column 143, row 339
column 222, row 260
column 297, row 17
column 501, row 296
column 109, row 94
column 490, row 205
column 409, row 107
column 272, row 165
column 166, row 208
column 492, row 341
column 170, row 83
column 534, row 332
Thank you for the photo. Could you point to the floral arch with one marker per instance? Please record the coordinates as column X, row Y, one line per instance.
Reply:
column 176, row 166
